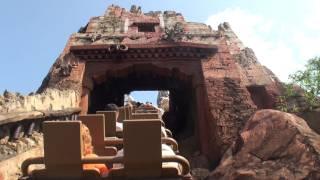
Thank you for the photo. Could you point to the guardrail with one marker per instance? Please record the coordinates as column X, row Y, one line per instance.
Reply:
column 17, row 123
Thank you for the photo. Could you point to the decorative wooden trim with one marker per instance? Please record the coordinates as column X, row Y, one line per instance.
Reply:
column 144, row 51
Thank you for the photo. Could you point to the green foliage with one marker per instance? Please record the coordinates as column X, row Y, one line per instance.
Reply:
column 309, row 80
column 282, row 104
column 283, row 100
column 289, row 90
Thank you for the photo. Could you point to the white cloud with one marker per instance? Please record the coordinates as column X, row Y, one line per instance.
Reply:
column 254, row 31
column 312, row 20
column 308, row 44
column 307, row 36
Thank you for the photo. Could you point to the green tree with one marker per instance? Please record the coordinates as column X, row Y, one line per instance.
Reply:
column 283, row 100
column 309, row 80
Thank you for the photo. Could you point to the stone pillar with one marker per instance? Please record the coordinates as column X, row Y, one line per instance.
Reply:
column 202, row 122
column 84, row 103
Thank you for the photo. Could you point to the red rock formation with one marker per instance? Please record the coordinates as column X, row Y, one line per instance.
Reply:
column 159, row 50
column 272, row 145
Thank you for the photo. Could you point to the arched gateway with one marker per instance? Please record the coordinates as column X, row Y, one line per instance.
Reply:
column 215, row 83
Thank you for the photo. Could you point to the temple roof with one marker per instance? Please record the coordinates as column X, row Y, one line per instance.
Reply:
column 120, row 26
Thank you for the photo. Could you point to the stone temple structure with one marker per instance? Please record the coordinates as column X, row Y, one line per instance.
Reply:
column 220, row 96
column 215, row 82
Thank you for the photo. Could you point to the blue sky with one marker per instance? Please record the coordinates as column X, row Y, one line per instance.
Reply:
column 284, row 34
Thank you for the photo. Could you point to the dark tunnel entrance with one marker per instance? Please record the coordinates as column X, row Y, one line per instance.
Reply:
column 181, row 116
column 179, row 119
column 260, row 97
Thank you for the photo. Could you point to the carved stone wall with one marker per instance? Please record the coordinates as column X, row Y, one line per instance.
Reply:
column 221, row 85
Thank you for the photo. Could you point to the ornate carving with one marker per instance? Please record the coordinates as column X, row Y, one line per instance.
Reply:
column 118, row 47
column 110, row 23
column 135, row 9
column 94, row 37
column 68, row 62
column 65, row 69
column 114, row 39
column 173, row 33
column 225, row 26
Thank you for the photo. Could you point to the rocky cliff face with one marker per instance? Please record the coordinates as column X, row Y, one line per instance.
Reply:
column 163, row 100
column 49, row 100
column 272, row 145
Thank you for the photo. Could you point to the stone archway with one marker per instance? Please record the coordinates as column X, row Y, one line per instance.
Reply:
column 108, row 83
column 118, row 82
column 221, row 101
